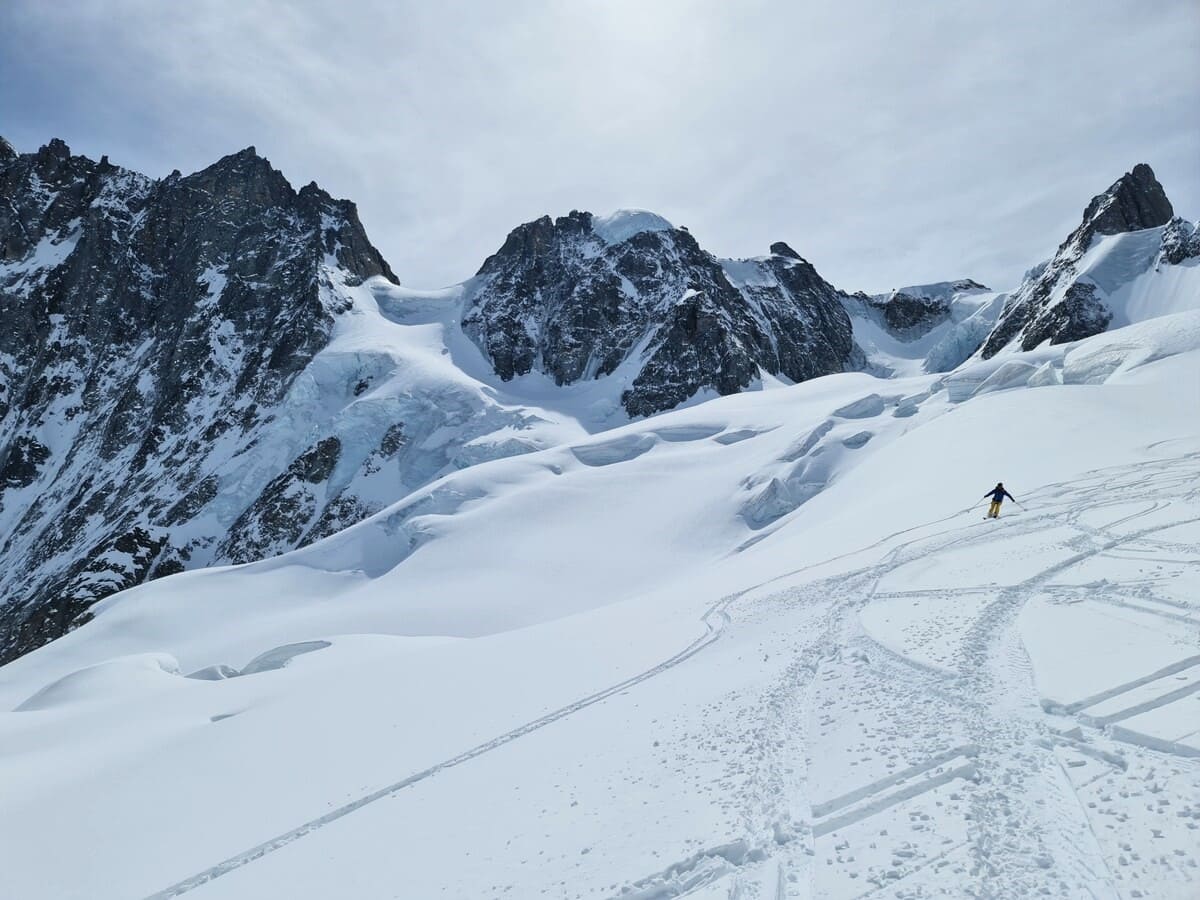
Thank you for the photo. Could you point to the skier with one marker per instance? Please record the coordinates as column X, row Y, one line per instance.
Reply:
column 998, row 493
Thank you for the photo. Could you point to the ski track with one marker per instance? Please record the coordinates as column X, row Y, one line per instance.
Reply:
column 714, row 619
column 1029, row 830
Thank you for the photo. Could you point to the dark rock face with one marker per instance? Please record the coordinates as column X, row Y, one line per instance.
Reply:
column 1134, row 202
column 1078, row 315
column 284, row 509
column 151, row 327
column 1181, row 241
column 909, row 313
column 904, row 312
column 560, row 298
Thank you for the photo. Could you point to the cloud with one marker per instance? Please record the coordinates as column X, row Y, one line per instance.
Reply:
column 889, row 143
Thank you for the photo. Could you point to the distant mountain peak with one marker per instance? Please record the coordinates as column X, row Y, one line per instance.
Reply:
column 244, row 163
column 180, row 312
column 1134, row 201
column 56, row 148
column 779, row 248
column 1055, row 303
column 578, row 297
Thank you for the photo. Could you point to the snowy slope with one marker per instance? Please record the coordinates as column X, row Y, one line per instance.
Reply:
column 1137, row 284
column 758, row 647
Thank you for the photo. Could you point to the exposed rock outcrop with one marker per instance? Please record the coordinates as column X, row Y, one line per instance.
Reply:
column 152, row 329
column 1051, row 305
column 575, row 301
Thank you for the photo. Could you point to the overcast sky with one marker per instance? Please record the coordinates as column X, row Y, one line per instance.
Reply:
column 889, row 143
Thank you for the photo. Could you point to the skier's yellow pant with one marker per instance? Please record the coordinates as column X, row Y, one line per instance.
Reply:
column 994, row 510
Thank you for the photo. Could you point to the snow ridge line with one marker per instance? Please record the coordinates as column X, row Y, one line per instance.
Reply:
column 701, row 868
column 1172, row 669
column 1150, row 742
column 1138, row 709
column 820, row 810
column 715, row 619
column 857, row 814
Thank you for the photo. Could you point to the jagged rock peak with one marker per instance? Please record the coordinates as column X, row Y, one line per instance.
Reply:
column 316, row 192
column 1134, row 201
column 1181, row 240
column 247, row 155
column 179, row 312
column 580, row 296
column 7, row 151
column 1053, row 302
column 239, row 170
column 531, row 240
column 779, row 248
column 56, row 149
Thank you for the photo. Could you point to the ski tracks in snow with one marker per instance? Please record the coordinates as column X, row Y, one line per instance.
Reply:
column 714, row 864
column 714, row 620
column 1028, row 830
column 974, row 741
column 978, row 792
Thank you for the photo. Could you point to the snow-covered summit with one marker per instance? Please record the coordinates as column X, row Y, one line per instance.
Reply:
column 623, row 224
column 936, row 291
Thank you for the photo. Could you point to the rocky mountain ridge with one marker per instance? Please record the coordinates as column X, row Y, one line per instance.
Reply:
column 910, row 312
column 568, row 300
column 1055, row 304
column 152, row 328
column 217, row 368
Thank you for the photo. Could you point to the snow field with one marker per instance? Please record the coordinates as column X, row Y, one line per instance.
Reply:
column 584, row 672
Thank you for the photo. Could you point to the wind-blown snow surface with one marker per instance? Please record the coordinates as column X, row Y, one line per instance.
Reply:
column 755, row 648
column 625, row 223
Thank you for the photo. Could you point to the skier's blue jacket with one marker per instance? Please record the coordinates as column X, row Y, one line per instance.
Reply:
column 999, row 493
